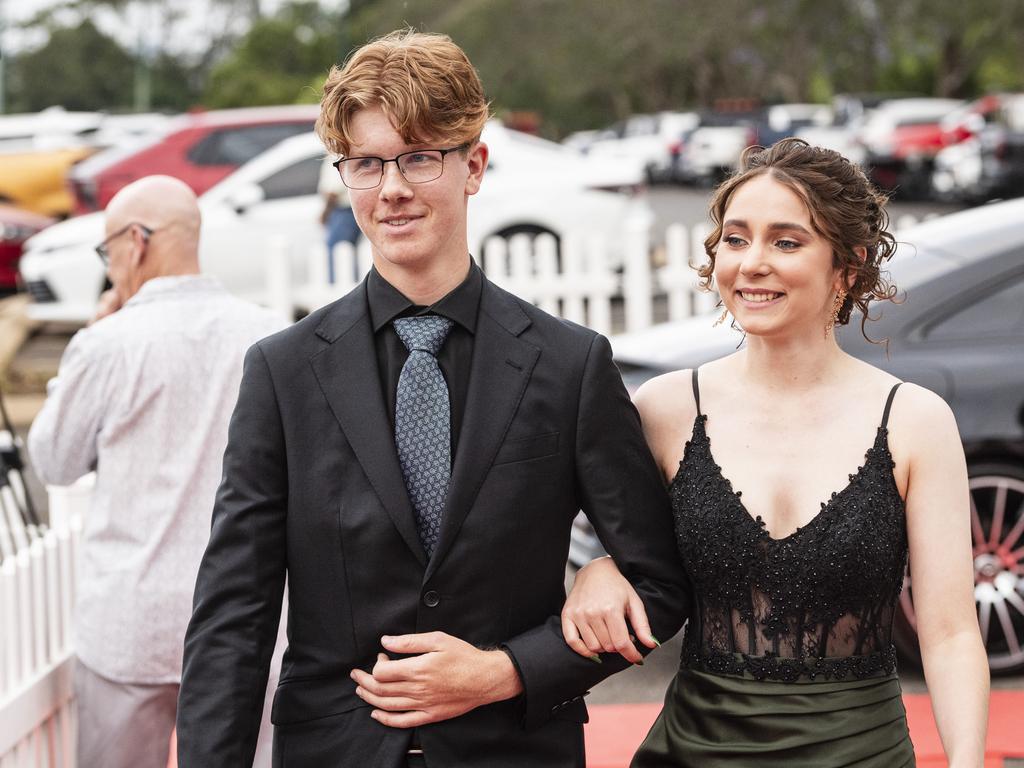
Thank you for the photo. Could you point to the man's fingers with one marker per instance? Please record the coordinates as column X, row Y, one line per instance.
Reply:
column 398, row 670
column 420, row 643
column 638, row 619
column 412, row 719
column 389, row 703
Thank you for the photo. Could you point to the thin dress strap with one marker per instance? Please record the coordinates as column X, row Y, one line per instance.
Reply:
column 888, row 405
column 696, row 391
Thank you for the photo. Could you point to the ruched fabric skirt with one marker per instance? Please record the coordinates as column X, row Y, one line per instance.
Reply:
column 712, row 721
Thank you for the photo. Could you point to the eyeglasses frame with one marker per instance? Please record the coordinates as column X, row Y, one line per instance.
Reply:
column 104, row 252
column 337, row 164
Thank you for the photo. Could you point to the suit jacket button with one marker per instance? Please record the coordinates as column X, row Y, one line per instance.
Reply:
column 431, row 599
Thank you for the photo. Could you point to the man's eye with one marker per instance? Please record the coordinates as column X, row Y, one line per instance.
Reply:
column 418, row 158
column 365, row 163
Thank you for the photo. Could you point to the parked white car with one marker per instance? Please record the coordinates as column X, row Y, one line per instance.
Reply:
column 649, row 142
column 532, row 186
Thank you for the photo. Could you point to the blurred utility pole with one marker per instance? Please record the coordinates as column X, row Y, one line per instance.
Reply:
column 144, row 62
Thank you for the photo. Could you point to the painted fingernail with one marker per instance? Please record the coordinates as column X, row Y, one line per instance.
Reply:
column 655, row 641
column 638, row 663
column 596, row 658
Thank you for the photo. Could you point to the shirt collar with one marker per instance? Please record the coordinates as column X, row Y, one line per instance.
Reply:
column 460, row 304
column 158, row 287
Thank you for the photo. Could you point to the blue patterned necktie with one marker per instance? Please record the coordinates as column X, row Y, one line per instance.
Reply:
column 423, row 423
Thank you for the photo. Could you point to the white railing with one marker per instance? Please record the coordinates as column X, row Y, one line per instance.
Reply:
column 37, row 721
column 575, row 279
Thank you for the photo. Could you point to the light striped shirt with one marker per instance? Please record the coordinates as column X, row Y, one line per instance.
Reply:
column 144, row 397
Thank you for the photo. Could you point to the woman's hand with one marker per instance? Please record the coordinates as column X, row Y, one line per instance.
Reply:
column 594, row 616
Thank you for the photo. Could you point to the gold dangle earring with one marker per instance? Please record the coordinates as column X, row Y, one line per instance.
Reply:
column 837, row 306
column 721, row 318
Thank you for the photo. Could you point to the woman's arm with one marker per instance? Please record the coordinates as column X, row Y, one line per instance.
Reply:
column 941, row 569
column 603, row 611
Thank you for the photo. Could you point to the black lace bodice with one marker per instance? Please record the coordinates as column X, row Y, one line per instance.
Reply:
column 819, row 602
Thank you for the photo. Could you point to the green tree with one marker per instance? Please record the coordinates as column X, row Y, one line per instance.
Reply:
column 948, row 47
column 78, row 68
column 278, row 59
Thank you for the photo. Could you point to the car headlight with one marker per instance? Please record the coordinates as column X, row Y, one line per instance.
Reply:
column 16, row 232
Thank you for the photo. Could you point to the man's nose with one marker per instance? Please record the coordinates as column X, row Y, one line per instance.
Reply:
column 393, row 184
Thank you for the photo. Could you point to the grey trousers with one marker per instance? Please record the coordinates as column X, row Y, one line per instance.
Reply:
column 122, row 725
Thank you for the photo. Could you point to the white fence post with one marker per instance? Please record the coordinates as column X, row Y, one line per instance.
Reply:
column 637, row 285
column 279, row 279
column 574, row 279
column 37, row 724
column 548, row 280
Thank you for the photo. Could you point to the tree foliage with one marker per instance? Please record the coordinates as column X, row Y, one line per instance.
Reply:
column 583, row 63
column 78, row 68
column 277, row 60
column 576, row 63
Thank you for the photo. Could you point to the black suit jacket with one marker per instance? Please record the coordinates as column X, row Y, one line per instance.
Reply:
column 312, row 489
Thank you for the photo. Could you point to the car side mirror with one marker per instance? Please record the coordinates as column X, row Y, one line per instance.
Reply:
column 245, row 197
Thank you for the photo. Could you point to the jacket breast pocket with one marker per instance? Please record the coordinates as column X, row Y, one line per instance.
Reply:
column 526, row 448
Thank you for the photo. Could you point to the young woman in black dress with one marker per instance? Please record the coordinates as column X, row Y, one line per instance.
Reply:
column 794, row 537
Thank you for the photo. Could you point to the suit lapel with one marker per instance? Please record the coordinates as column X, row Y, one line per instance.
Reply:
column 500, row 370
column 347, row 373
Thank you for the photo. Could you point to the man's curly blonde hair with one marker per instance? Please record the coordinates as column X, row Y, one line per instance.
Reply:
column 424, row 82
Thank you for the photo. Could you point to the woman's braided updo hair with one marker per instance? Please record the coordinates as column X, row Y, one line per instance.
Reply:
column 844, row 206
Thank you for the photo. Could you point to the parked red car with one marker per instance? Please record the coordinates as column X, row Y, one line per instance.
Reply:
column 199, row 148
column 16, row 226
column 901, row 138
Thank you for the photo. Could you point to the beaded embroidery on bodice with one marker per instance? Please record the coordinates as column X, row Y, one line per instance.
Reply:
column 819, row 602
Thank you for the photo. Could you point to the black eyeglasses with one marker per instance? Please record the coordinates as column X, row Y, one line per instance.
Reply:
column 416, row 167
column 103, row 249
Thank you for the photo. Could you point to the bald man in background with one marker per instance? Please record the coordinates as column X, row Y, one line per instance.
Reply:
column 143, row 397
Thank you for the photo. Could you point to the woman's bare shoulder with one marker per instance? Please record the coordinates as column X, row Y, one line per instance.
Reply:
column 667, row 398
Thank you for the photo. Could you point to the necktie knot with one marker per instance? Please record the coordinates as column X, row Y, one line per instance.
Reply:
column 426, row 333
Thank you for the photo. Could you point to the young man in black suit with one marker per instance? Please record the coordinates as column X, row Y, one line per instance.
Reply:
column 412, row 457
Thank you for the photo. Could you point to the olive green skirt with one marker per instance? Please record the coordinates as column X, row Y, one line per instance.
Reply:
column 714, row 720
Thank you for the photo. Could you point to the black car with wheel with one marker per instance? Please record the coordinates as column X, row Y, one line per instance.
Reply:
column 958, row 330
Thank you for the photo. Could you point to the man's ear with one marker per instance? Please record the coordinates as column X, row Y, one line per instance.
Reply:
column 477, row 157
column 140, row 240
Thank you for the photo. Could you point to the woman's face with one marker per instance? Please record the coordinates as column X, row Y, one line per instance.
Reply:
column 773, row 270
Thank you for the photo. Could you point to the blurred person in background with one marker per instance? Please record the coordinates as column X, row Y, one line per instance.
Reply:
column 337, row 217
column 412, row 457
column 788, row 657
column 143, row 396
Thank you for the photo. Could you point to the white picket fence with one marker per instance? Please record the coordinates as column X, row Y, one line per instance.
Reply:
column 37, row 721
column 577, row 279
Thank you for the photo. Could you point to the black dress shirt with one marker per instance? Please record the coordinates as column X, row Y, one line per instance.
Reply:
column 460, row 305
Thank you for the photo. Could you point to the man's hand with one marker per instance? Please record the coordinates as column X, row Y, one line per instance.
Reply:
column 448, row 678
column 108, row 304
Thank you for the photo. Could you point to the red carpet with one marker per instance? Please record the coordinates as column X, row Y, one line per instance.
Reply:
column 615, row 731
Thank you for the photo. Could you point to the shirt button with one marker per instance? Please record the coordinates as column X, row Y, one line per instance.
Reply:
column 431, row 599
